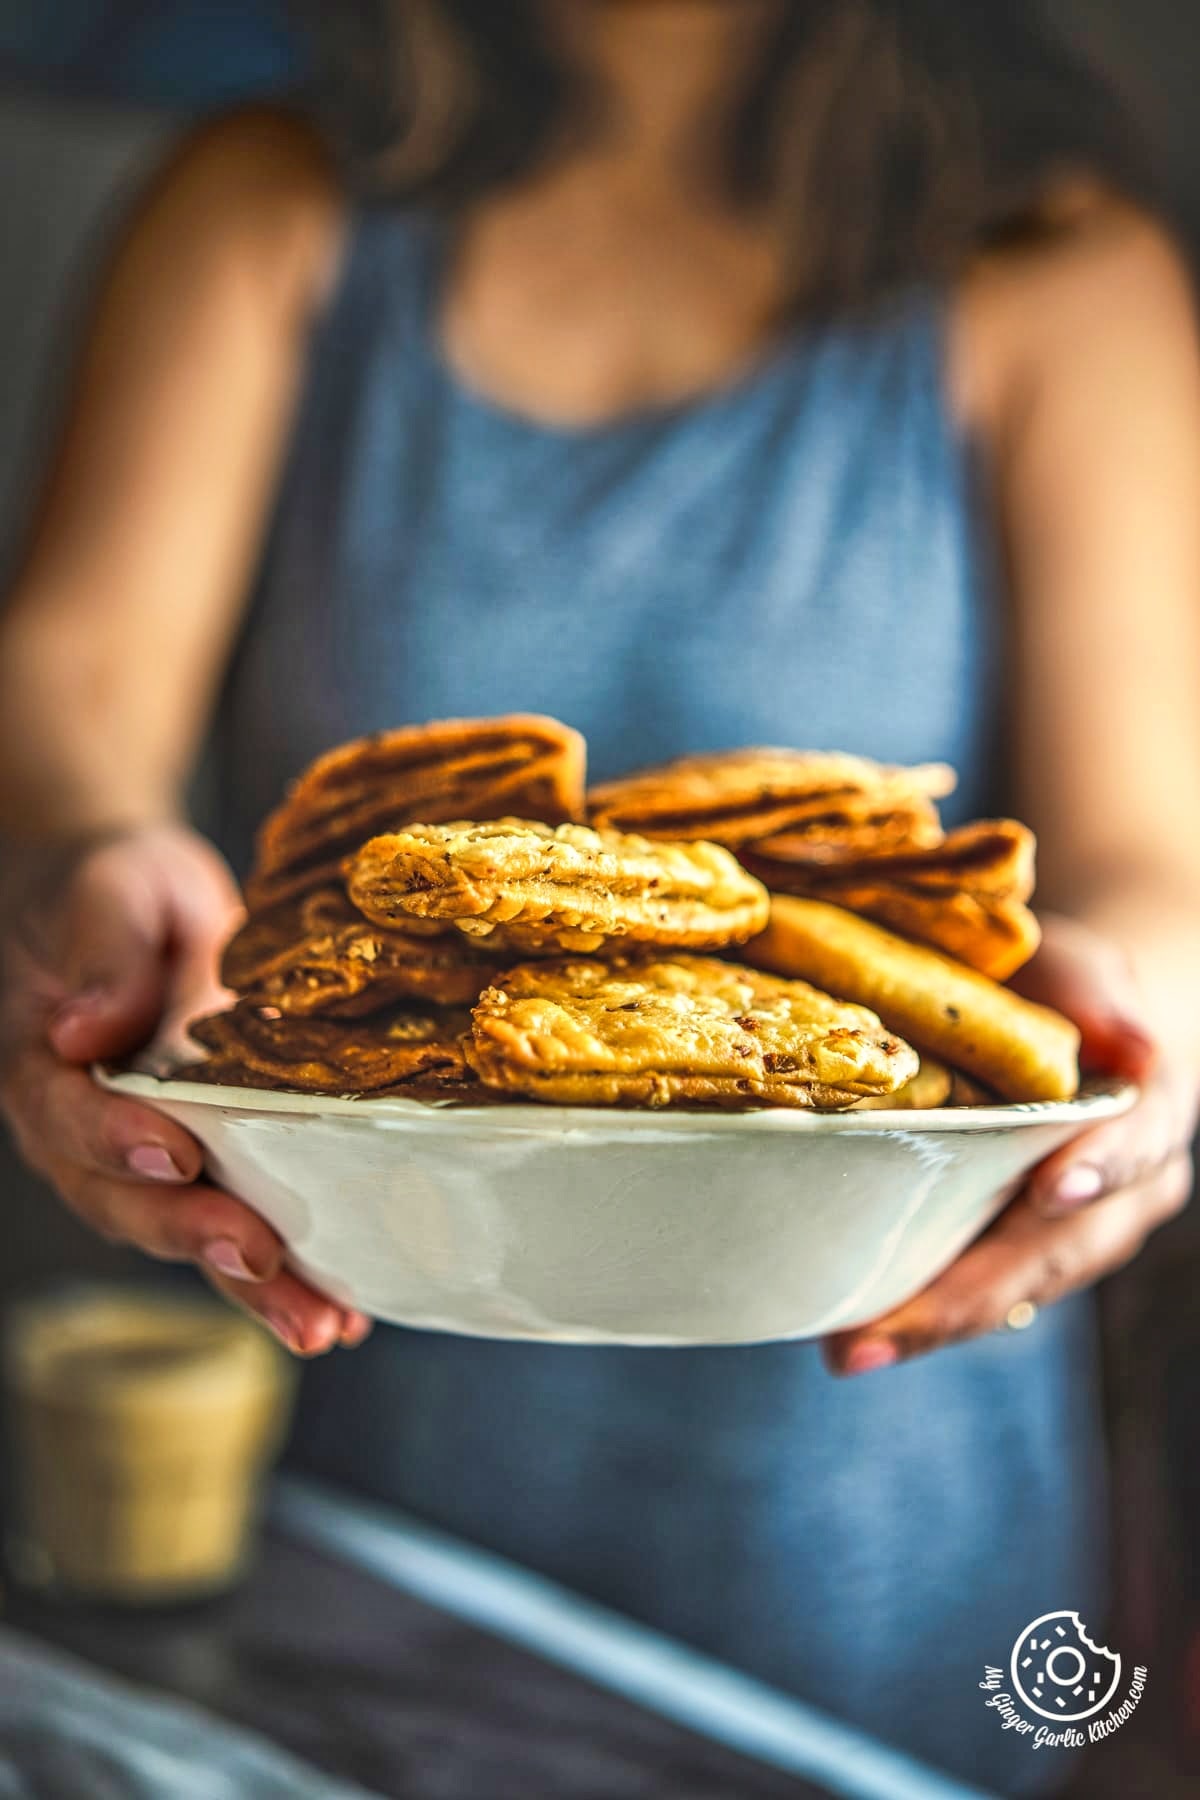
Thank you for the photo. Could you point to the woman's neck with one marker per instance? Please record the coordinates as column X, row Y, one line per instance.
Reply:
column 665, row 71
column 617, row 278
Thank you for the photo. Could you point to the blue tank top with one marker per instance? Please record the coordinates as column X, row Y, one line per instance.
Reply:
column 792, row 559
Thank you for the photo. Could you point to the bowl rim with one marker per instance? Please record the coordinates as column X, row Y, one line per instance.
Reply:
column 1096, row 1103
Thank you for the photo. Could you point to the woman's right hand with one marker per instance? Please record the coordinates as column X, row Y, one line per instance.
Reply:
column 105, row 945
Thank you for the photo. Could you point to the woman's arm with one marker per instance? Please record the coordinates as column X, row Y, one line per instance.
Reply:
column 110, row 651
column 115, row 635
column 1077, row 363
column 1098, row 469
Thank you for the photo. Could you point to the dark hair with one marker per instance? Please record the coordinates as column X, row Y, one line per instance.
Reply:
column 901, row 135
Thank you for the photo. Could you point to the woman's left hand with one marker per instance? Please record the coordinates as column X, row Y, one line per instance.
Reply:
column 1087, row 1209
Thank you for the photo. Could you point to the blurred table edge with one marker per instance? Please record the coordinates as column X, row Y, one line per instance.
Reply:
column 652, row 1671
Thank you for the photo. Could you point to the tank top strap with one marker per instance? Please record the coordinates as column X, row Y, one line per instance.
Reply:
column 385, row 287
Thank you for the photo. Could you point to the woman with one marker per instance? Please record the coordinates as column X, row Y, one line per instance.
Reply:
column 770, row 372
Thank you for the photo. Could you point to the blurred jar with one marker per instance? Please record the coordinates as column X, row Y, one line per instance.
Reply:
column 140, row 1427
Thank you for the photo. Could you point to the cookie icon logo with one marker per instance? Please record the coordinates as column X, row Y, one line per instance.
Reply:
column 1059, row 1673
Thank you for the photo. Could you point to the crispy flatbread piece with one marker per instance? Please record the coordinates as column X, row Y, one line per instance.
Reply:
column 967, row 896
column 460, row 1087
column 803, row 805
column 319, row 956
column 965, row 1091
column 448, row 769
column 1023, row 1051
column 331, row 1056
column 569, row 885
column 269, row 937
column 361, row 969
column 931, row 1086
column 637, row 1031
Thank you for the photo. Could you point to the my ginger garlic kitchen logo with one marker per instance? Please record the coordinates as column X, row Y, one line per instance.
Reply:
column 1070, row 1685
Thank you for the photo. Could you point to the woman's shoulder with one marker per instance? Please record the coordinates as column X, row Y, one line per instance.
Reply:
column 253, row 200
column 1099, row 284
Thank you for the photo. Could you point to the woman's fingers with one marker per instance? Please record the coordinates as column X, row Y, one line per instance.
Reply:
column 132, row 1174
column 132, row 927
column 129, row 1171
column 60, row 1116
column 1092, row 982
column 109, row 949
column 196, row 1223
column 237, row 1251
column 1076, row 967
column 1023, row 1257
column 105, row 944
column 1113, row 1156
column 307, row 1323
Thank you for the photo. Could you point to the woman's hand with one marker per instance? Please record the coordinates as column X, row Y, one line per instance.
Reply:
column 1088, row 1208
column 106, row 945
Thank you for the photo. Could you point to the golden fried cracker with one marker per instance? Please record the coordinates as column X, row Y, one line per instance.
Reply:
column 1023, row 1051
column 443, row 1086
column 448, row 769
column 331, row 1056
column 568, row 884
column 812, row 805
column 270, row 936
column 363, row 967
column 645, row 1031
column 966, row 896
column 930, row 1087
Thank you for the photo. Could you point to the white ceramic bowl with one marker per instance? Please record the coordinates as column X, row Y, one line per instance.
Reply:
column 579, row 1225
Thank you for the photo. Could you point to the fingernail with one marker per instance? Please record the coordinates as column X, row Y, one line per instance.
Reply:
column 284, row 1330
column 1079, row 1185
column 226, row 1258
column 875, row 1354
column 157, row 1164
column 355, row 1333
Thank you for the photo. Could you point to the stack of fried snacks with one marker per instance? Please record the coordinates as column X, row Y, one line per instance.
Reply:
column 856, row 833
column 319, row 956
column 429, row 917
column 967, row 895
column 867, row 842
column 306, row 963
column 451, row 769
column 1019, row 1050
column 643, row 1022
